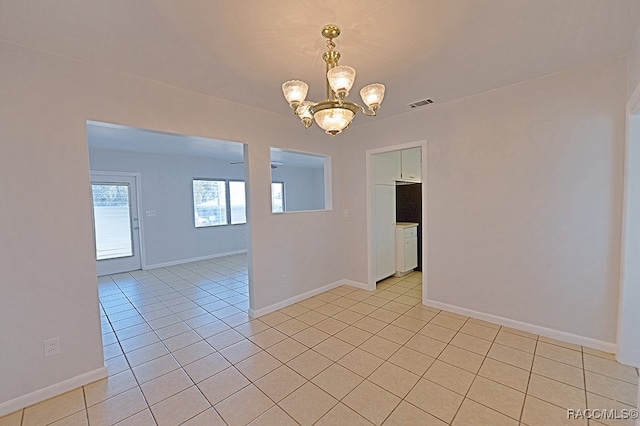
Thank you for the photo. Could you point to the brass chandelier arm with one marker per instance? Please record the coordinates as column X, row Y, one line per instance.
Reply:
column 373, row 111
column 320, row 106
column 354, row 107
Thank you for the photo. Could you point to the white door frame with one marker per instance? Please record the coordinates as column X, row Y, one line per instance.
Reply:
column 138, row 188
column 371, row 266
column 628, row 341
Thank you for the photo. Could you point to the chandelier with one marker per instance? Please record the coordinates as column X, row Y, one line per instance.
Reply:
column 335, row 113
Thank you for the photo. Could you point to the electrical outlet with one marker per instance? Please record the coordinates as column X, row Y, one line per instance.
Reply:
column 345, row 212
column 51, row 347
column 284, row 279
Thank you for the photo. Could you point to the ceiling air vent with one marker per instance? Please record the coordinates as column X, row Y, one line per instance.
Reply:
column 421, row 103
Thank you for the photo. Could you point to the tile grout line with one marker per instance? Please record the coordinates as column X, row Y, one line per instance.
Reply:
column 421, row 377
column 122, row 291
column 340, row 401
column 161, row 341
column 526, row 393
column 584, row 378
column 86, row 408
column 417, row 332
column 231, row 365
column 148, row 406
column 183, row 285
column 466, row 395
column 404, row 346
column 182, row 368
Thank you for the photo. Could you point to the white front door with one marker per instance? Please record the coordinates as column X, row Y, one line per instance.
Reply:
column 116, row 225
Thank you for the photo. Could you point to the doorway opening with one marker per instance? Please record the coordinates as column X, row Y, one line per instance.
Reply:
column 155, row 234
column 115, row 222
column 396, row 214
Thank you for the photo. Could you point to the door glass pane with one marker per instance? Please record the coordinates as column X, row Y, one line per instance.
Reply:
column 112, row 217
column 237, row 200
column 209, row 202
column 277, row 197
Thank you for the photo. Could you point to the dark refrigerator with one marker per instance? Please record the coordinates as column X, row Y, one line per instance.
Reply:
column 409, row 209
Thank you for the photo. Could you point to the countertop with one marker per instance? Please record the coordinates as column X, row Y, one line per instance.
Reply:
column 406, row 224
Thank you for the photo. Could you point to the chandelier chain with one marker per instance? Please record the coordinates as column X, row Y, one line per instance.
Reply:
column 331, row 45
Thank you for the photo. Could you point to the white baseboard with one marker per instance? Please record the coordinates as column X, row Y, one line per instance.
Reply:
column 51, row 391
column 628, row 360
column 356, row 284
column 531, row 328
column 290, row 301
column 193, row 259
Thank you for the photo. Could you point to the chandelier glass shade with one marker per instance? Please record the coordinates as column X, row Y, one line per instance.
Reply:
column 334, row 120
column 335, row 113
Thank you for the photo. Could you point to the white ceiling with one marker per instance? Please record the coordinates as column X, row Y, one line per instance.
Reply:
column 123, row 138
column 244, row 50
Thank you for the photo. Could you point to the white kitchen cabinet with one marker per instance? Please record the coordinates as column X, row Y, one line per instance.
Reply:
column 406, row 247
column 386, row 168
column 411, row 164
column 384, row 217
column 401, row 165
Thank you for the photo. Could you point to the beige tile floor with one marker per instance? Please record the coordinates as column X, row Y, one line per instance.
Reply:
column 181, row 349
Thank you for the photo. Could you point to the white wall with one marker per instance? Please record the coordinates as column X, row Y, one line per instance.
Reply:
column 303, row 187
column 524, row 199
column 49, row 285
column 524, row 202
column 170, row 235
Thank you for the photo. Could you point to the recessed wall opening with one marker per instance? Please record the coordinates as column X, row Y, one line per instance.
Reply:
column 300, row 181
column 170, row 226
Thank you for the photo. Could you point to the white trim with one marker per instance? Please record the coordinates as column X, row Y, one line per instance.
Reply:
column 106, row 172
column 638, row 404
column 531, row 328
column 299, row 211
column 51, row 391
column 356, row 284
column 398, row 147
column 371, row 264
column 425, row 221
column 625, row 233
column 625, row 359
column 628, row 353
column 141, row 242
column 633, row 104
column 193, row 259
column 290, row 301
